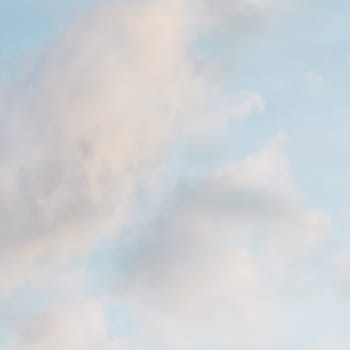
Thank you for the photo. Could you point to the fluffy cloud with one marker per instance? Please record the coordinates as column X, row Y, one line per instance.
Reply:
column 81, row 325
column 58, row 311
column 92, row 127
column 80, row 137
column 211, row 270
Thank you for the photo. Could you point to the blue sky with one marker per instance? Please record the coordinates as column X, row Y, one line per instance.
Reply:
column 30, row 28
column 174, row 175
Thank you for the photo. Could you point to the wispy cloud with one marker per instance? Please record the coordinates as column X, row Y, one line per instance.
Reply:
column 91, row 128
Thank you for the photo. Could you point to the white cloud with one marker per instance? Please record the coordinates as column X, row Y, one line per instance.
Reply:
column 91, row 128
column 58, row 311
column 79, row 326
column 80, row 137
column 210, row 271
column 93, row 124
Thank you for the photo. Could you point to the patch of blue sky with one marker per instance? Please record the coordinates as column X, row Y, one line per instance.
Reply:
column 122, row 324
column 29, row 27
column 106, row 268
column 21, row 301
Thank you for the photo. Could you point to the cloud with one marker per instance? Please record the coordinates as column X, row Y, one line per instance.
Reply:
column 79, row 326
column 210, row 270
column 81, row 136
column 240, row 18
column 90, row 123
column 90, row 129
column 59, row 310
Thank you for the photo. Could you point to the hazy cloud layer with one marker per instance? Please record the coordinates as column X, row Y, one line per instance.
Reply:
column 92, row 128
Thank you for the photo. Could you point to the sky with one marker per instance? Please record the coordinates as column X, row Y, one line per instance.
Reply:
column 173, row 175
